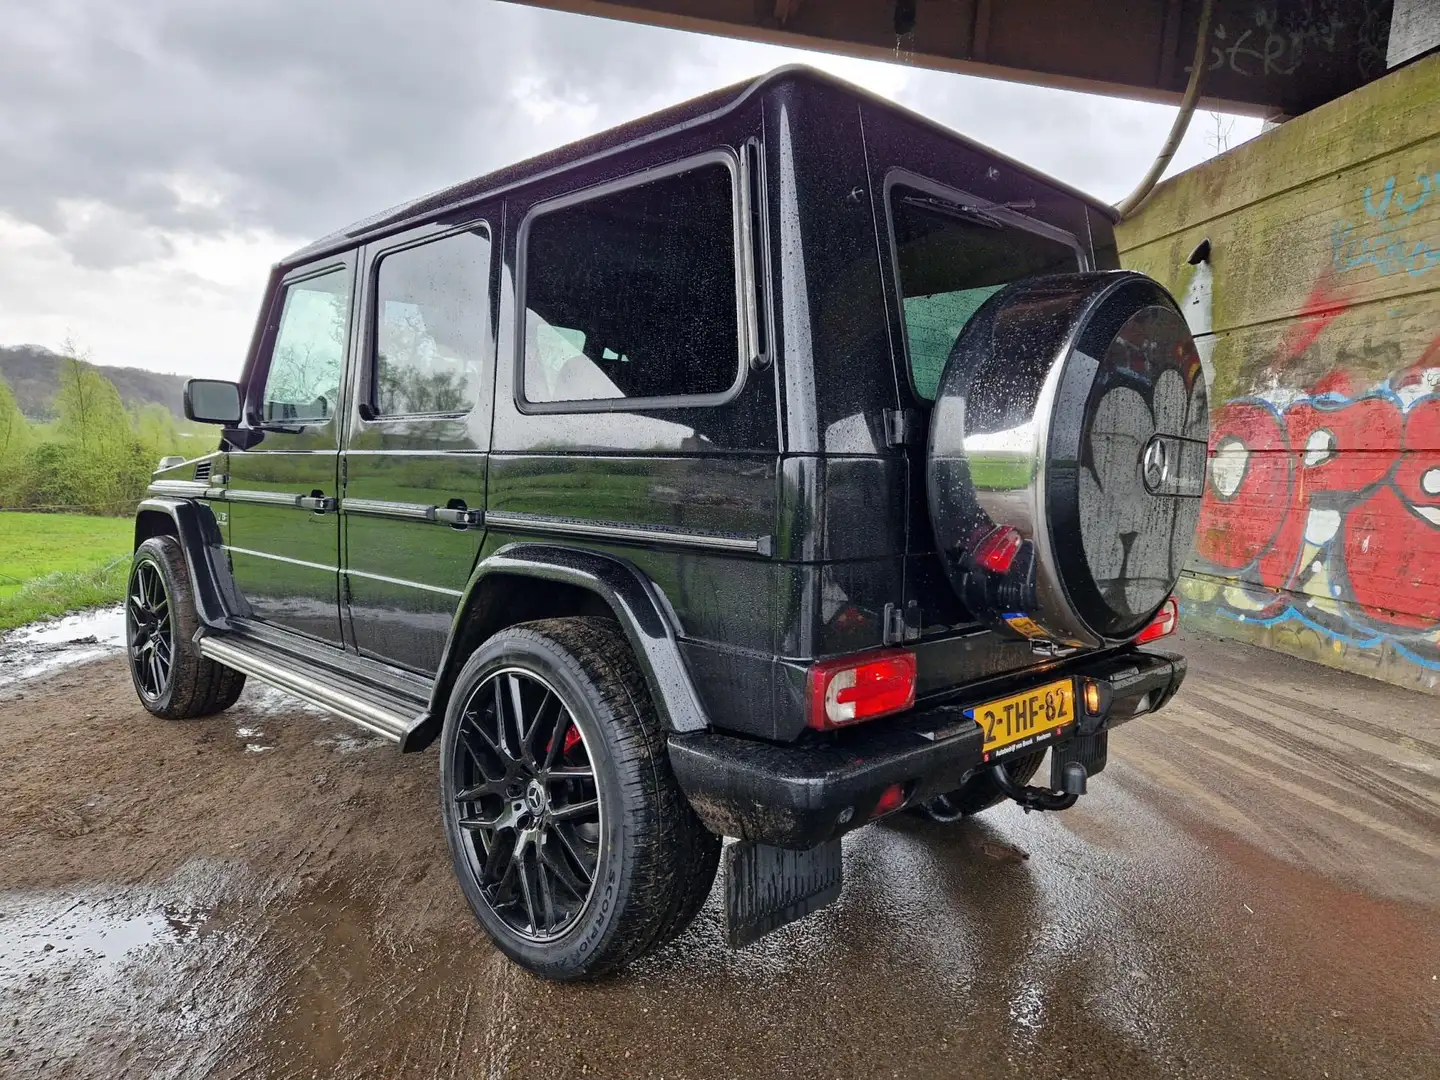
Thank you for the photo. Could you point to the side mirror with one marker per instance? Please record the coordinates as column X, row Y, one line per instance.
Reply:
column 212, row 401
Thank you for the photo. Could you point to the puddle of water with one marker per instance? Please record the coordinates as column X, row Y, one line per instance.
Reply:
column 43, row 647
column 110, row 980
column 41, row 931
column 103, row 626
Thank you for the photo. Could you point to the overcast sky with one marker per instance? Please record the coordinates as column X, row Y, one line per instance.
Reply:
column 157, row 156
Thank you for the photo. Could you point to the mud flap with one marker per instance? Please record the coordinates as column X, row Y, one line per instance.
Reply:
column 767, row 887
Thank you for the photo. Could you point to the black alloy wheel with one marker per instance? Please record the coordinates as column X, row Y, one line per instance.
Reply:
column 528, row 803
column 171, row 678
column 568, row 834
column 149, row 631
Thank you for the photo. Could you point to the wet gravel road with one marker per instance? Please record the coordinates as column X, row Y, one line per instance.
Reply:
column 1252, row 889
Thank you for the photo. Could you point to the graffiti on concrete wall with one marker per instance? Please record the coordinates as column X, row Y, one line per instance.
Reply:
column 1323, row 507
column 1385, row 235
column 1268, row 38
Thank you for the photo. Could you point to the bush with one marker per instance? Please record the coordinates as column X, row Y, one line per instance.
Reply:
column 96, row 457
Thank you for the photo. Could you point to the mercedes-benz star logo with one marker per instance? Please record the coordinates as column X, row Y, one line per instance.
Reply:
column 1155, row 463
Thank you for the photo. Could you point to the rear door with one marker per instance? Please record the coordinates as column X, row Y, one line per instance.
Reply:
column 284, row 537
column 418, row 432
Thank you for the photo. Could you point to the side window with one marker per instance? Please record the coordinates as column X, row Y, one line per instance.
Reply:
column 949, row 263
column 432, row 332
column 303, row 383
column 634, row 294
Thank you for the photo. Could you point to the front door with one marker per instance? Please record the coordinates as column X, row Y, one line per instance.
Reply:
column 418, row 435
column 283, row 491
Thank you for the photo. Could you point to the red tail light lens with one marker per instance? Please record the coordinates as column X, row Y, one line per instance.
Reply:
column 890, row 799
column 1166, row 621
column 998, row 549
column 861, row 688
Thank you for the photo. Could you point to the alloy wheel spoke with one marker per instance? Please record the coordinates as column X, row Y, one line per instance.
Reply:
column 475, row 792
column 575, row 810
column 523, row 874
column 500, row 862
column 537, row 727
column 558, row 730
column 572, row 872
column 547, row 898
column 570, row 772
column 476, row 824
column 502, row 743
column 517, row 716
column 470, row 731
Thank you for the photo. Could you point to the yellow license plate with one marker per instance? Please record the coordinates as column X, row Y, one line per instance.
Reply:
column 1025, row 721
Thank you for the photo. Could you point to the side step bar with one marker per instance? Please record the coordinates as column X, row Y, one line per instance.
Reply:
column 369, row 715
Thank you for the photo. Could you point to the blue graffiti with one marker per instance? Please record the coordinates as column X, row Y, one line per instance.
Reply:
column 1380, row 243
column 1427, row 182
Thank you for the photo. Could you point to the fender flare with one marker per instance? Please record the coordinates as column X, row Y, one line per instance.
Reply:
column 637, row 604
column 194, row 525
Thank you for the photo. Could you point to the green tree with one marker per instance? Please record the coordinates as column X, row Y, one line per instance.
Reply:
column 15, row 440
column 155, row 427
column 101, row 464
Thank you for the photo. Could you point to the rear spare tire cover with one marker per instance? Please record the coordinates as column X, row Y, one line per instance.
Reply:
column 1067, row 456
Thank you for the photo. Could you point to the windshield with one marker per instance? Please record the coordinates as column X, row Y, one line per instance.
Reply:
column 949, row 262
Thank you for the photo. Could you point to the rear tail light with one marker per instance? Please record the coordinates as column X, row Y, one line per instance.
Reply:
column 997, row 550
column 1166, row 621
column 853, row 689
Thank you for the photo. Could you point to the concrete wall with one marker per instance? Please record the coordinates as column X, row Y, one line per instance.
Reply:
column 1318, row 317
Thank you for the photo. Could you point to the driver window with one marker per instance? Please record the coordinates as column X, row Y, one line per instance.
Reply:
column 303, row 383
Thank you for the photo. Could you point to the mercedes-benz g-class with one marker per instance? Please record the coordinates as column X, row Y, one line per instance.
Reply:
column 756, row 469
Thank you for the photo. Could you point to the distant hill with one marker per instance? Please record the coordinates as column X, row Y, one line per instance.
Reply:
column 33, row 373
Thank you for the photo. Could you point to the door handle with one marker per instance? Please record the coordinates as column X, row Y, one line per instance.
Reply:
column 458, row 515
column 321, row 504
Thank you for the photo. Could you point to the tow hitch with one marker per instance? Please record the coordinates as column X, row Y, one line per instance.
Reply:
column 1072, row 786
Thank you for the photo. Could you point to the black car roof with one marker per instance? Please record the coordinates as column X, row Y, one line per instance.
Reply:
column 670, row 120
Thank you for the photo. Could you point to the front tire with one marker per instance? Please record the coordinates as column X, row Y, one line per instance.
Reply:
column 569, row 835
column 171, row 678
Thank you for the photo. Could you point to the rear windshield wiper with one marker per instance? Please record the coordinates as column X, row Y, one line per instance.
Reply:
column 976, row 212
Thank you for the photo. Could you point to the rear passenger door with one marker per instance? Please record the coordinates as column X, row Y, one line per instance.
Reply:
column 418, row 431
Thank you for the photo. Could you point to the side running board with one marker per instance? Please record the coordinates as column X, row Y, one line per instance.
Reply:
column 369, row 714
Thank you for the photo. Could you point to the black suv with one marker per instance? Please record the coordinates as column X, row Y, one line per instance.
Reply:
column 757, row 469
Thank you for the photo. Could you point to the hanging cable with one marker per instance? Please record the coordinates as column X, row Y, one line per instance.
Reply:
column 1133, row 201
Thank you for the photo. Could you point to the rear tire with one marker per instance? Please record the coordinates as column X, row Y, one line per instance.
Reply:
column 171, row 678
column 554, row 781
column 979, row 792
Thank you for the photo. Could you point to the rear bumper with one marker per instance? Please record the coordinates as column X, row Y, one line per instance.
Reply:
column 800, row 795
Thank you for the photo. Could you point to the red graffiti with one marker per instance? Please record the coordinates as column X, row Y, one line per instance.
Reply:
column 1392, row 542
column 1326, row 300
column 1336, row 497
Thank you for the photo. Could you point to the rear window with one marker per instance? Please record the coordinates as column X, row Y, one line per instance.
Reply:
column 633, row 295
column 949, row 262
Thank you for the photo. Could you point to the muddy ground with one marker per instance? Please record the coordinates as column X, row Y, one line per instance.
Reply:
column 1251, row 889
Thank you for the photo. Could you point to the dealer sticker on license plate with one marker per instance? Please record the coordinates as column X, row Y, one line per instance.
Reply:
column 1025, row 721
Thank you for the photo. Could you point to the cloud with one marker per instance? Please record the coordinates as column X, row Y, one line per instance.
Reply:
column 149, row 146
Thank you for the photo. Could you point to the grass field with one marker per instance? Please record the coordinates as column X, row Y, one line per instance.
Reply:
column 54, row 563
